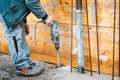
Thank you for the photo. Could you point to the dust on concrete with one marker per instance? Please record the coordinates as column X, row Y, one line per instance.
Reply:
column 50, row 72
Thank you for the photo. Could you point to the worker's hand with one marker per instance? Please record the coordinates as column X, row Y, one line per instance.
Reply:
column 49, row 21
column 27, row 29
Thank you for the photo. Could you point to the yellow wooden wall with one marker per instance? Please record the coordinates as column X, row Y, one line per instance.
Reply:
column 60, row 10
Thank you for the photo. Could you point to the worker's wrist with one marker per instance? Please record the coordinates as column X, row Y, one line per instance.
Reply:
column 25, row 21
column 47, row 20
column 45, row 17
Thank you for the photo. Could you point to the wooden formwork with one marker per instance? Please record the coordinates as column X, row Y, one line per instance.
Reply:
column 60, row 10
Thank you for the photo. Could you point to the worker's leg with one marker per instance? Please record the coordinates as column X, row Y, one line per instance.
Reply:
column 25, row 47
column 15, row 41
column 20, row 56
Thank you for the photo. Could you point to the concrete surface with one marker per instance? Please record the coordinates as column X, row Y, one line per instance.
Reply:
column 50, row 72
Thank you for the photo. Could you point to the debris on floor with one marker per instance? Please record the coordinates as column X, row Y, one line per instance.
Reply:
column 51, row 72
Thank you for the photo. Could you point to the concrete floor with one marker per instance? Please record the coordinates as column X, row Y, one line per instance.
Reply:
column 50, row 72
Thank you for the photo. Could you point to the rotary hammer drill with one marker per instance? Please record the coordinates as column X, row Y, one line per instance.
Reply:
column 55, row 37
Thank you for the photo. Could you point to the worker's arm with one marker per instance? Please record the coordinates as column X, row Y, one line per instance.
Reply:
column 35, row 7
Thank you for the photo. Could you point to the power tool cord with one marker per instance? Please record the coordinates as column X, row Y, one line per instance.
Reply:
column 35, row 35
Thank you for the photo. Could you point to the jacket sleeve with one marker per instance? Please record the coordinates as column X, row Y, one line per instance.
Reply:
column 35, row 7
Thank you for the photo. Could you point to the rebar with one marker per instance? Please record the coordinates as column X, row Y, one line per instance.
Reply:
column 114, row 39
column 88, row 37
column 119, row 38
column 71, row 31
column 96, row 14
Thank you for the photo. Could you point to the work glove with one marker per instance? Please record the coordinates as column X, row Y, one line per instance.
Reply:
column 27, row 29
column 47, row 20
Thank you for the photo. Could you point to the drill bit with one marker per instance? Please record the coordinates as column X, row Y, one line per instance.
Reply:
column 58, row 58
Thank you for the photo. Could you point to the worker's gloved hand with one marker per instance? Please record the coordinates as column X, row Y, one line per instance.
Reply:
column 47, row 20
column 27, row 29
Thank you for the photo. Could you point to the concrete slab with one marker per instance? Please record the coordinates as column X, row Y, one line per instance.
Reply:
column 50, row 72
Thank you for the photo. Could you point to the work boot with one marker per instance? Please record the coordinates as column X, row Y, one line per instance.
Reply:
column 32, row 64
column 29, row 72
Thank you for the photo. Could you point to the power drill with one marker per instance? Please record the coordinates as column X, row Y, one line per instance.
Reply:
column 55, row 36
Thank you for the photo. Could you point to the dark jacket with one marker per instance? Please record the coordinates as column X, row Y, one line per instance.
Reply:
column 15, row 11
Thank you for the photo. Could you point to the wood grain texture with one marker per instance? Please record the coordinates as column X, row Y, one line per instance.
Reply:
column 44, row 49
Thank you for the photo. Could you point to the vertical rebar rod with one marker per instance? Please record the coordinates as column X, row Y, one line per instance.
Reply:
column 119, row 38
column 96, row 14
column 114, row 39
column 71, row 31
column 88, row 37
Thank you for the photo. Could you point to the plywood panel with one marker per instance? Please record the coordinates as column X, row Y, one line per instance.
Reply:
column 45, row 47
column 61, row 11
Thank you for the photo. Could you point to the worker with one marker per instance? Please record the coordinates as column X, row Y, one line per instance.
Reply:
column 20, row 52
